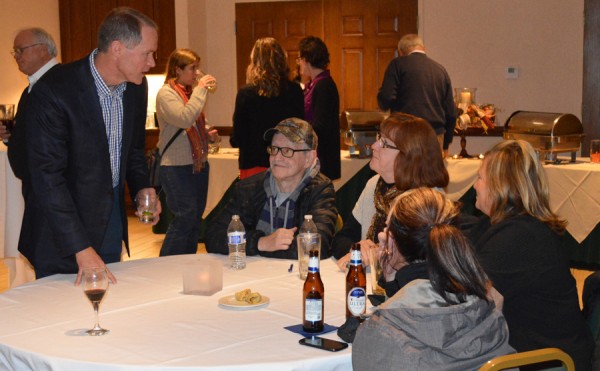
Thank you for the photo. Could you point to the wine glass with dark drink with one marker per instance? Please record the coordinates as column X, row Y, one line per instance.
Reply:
column 95, row 284
column 7, row 116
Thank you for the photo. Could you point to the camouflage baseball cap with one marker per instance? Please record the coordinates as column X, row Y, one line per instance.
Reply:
column 296, row 131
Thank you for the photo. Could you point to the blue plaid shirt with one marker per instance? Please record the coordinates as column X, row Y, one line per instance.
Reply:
column 111, row 101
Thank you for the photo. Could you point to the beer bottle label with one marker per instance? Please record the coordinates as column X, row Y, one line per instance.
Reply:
column 313, row 264
column 313, row 310
column 355, row 257
column 357, row 301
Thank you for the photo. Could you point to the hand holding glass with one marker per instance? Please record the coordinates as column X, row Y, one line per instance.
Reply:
column 146, row 206
column 95, row 284
column 208, row 81
column 7, row 116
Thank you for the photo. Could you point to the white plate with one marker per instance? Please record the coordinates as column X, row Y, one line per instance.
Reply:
column 229, row 302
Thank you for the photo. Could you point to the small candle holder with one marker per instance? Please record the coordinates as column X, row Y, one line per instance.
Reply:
column 203, row 277
column 463, row 98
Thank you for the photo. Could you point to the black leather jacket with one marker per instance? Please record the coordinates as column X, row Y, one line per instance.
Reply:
column 249, row 197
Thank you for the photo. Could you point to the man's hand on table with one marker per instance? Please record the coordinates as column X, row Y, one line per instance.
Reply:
column 89, row 258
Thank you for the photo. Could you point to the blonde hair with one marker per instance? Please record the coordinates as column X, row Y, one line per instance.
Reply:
column 268, row 67
column 517, row 184
column 423, row 224
column 180, row 58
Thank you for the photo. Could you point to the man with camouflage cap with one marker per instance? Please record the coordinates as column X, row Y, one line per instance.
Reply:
column 272, row 204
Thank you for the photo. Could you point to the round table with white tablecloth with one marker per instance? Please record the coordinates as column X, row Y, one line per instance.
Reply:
column 153, row 325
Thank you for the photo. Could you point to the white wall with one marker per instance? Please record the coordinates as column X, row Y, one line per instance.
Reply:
column 15, row 15
column 474, row 39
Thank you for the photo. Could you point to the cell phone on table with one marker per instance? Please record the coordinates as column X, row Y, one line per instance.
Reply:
column 325, row 344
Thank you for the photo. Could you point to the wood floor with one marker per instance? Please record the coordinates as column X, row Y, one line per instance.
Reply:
column 145, row 244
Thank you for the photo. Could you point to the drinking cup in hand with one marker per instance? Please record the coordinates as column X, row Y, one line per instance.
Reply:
column 146, row 206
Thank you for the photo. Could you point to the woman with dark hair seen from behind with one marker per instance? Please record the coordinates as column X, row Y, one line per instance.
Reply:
column 184, row 165
column 268, row 97
column 435, row 320
column 518, row 243
column 406, row 156
column 321, row 103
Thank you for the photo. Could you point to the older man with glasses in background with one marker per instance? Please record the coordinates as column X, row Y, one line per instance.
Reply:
column 272, row 204
column 35, row 52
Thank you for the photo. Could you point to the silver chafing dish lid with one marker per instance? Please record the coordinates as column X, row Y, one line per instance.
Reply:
column 364, row 120
column 543, row 123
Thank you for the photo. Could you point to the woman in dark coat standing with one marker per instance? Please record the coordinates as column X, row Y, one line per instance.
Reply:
column 321, row 103
column 268, row 98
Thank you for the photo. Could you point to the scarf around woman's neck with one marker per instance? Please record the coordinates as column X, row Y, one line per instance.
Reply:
column 384, row 196
column 196, row 134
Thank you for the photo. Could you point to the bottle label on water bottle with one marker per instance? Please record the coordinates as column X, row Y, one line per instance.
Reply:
column 236, row 238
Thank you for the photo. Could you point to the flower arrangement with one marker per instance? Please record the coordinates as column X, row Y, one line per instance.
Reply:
column 473, row 116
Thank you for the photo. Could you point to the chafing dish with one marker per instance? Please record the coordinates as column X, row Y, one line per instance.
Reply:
column 363, row 127
column 549, row 133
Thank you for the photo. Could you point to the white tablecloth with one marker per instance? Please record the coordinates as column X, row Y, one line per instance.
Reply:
column 154, row 326
column 224, row 170
column 11, row 216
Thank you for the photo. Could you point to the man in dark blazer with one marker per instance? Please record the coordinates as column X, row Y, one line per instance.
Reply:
column 35, row 53
column 85, row 132
column 416, row 84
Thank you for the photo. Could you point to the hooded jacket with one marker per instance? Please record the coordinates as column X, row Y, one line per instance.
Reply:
column 417, row 330
column 249, row 197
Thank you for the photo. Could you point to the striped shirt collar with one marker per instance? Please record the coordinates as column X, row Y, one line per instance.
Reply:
column 101, row 86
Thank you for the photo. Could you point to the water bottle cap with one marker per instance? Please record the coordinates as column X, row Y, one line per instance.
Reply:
column 235, row 216
column 308, row 216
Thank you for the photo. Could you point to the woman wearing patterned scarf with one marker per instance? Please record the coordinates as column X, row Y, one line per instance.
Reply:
column 184, row 166
column 405, row 156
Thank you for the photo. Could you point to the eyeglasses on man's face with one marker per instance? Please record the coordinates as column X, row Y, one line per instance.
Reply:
column 383, row 143
column 19, row 51
column 285, row 151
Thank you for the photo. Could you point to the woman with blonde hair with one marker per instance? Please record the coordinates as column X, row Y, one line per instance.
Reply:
column 518, row 243
column 184, row 166
column 268, row 97
column 447, row 303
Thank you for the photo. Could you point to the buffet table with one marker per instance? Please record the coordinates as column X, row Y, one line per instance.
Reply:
column 154, row 326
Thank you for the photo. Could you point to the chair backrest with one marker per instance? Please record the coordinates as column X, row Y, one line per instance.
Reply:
column 529, row 358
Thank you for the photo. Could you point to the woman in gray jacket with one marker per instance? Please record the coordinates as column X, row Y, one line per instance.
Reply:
column 447, row 316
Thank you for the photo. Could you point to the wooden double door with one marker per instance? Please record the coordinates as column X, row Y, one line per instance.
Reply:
column 362, row 37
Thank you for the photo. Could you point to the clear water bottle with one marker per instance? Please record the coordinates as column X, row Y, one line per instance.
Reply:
column 236, row 238
column 308, row 239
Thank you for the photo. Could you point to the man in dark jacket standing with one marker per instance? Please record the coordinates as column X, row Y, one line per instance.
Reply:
column 415, row 84
column 85, row 138
column 272, row 204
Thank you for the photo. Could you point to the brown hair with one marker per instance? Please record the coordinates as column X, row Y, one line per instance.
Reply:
column 419, row 162
column 517, row 184
column 268, row 67
column 423, row 223
column 180, row 58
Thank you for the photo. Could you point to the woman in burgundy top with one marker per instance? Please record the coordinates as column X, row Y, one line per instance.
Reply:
column 321, row 103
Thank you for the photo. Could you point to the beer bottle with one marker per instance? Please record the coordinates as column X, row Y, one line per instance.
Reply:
column 313, row 296
column 356, row 285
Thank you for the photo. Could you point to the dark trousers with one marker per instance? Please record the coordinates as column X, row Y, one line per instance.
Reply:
column 186, row 198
